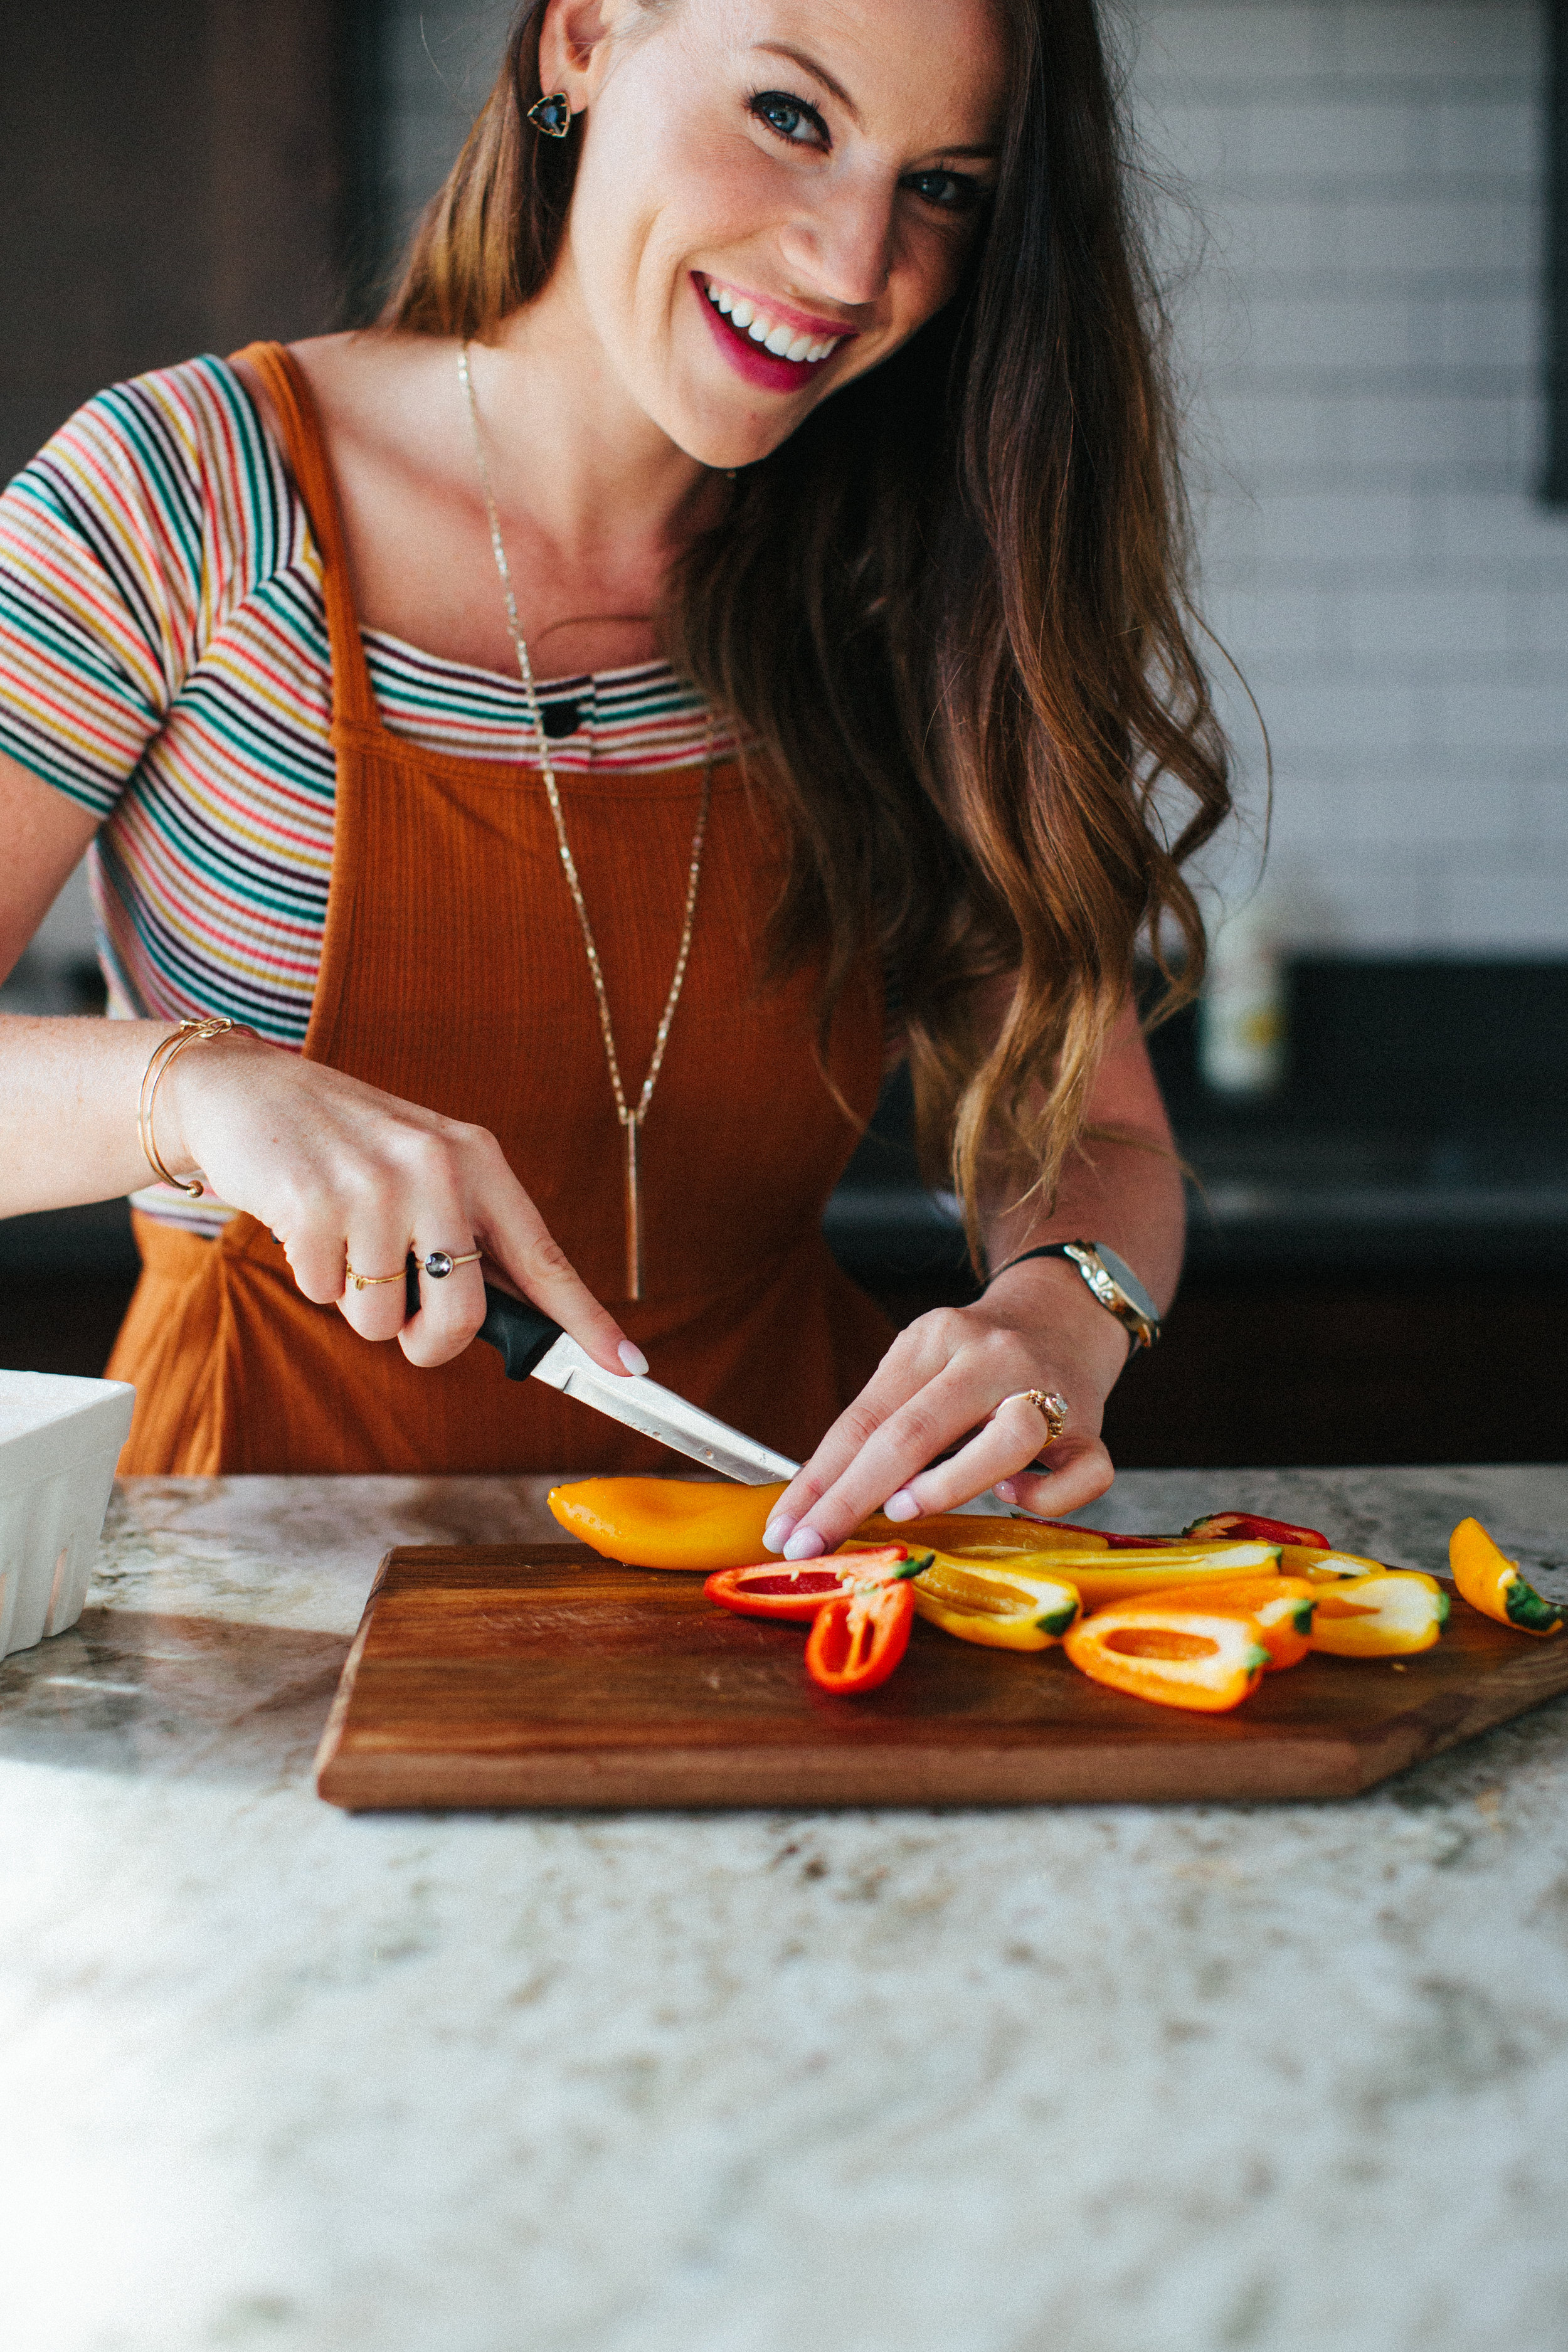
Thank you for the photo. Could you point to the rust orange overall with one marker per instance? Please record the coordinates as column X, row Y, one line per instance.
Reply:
column 453, row 974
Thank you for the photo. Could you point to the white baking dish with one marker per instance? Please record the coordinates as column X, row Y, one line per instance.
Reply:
column 60, row 1441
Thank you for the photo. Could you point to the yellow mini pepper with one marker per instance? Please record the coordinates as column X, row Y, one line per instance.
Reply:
column 1388, row 1614
column 1002, row 1606
column 1102, row 1577
column 1491, row 1583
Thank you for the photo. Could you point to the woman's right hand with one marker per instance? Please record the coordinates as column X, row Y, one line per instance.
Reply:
column 344, row 1175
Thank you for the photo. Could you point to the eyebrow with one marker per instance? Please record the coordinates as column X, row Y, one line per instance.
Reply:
column 810, row 66
column 799, row 57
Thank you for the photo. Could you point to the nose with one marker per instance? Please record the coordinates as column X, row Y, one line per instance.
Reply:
column 841, row 246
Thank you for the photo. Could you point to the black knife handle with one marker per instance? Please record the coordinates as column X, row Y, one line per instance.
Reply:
column 522, row 1333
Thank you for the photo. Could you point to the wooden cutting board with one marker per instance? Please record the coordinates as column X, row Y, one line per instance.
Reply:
column 533, row 1675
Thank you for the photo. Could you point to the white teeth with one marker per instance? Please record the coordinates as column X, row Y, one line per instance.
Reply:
column 784, row 342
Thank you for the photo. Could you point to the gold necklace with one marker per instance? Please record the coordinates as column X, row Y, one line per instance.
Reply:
column 630, row 1116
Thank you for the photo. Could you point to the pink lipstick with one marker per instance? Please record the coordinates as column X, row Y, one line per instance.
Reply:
column 769, row 370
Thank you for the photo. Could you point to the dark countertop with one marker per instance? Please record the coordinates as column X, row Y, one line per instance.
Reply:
column 1422, row 1127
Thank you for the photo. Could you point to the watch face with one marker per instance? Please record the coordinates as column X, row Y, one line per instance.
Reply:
column 1126, row 1280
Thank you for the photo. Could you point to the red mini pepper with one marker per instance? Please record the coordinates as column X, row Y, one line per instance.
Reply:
column 774, row 1588
column 1245, row 1526
column 856, row 1640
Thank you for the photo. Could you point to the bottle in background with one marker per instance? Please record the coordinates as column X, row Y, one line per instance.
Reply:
column 1241, row 1013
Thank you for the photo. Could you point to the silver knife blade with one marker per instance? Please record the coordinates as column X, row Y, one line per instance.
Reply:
column 642, row 1404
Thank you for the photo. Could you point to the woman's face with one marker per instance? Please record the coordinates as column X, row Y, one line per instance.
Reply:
column 772, row 195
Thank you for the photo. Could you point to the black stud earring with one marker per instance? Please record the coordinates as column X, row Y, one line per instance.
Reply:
column 551, row 115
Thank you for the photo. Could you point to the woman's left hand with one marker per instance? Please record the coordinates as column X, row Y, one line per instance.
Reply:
column 958, row 1373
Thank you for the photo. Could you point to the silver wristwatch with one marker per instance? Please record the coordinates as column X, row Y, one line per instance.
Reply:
column 1112, row 1281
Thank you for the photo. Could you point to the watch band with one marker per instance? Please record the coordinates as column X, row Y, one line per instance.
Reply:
column 1136, row 1315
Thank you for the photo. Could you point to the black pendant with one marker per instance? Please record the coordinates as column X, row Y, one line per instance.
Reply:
column 560, row 718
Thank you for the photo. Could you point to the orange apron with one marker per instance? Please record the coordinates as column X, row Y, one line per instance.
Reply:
column 453, row 974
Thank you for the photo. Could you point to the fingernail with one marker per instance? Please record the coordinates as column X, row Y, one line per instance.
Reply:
column 804, row 1544
column 901, row 1506
column 633, row 1358
column 776, row 1535
column 1006, row 1488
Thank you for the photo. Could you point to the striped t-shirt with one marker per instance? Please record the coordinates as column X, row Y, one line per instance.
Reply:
column 164, row 661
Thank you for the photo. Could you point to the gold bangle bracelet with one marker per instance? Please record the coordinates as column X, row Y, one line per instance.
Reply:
column 214, row 1025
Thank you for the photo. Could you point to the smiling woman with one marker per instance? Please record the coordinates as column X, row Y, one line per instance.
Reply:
column 725, row 623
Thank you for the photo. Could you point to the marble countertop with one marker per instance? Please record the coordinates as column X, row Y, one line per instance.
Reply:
column 1112, row 2079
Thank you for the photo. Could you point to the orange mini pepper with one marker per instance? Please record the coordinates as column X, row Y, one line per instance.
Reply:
column 667, row 1522
column 1189, row 1656
column 1280, row 1606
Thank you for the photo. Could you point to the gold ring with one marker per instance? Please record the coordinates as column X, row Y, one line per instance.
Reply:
column 369, row 1281
column 440, row 1262
column 1051, row 1408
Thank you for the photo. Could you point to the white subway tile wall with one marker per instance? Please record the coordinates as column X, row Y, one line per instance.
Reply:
column 1359, row 324
column 1362, row 332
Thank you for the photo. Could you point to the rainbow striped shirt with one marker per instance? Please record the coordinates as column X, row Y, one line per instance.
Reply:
column 164, row 661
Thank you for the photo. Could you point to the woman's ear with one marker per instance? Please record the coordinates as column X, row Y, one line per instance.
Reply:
column 573, row 47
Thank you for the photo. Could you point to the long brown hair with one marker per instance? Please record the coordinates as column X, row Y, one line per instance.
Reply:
column 953, row 607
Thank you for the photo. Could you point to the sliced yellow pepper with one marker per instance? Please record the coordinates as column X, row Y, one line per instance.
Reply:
column 1104, row 1577
column 1296, row 1559
column 1491, row 1583
column 1001, row 1605
column 1101, row 1576
column 1388, row 1614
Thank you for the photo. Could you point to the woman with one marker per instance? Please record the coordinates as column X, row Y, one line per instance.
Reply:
column 779, row 390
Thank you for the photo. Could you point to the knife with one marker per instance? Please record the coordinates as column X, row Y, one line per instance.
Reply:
column 532, row 1346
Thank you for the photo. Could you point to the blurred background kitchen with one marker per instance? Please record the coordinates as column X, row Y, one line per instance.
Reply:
column 1362, row 212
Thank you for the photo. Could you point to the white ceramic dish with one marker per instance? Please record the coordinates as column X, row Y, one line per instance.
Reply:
column 60, row 1441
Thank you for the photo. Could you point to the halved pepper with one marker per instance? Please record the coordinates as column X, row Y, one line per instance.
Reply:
column 1243, row 1526
column 1390, row 1613
column 856, row 1638
column 1281, row 1606
column 773, row 1588
column 998, row 1603
column 1190, row 1656
column 1491, row 1583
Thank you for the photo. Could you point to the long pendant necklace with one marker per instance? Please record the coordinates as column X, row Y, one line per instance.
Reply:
column 630, row 1116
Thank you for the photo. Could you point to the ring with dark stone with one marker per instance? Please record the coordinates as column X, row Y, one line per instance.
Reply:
column 439, row 1264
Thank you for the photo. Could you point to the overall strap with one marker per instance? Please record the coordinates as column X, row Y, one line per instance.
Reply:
column 354, row 698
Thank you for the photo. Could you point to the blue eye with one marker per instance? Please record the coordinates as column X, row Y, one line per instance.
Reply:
column 949, row 192
column 790, row 118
